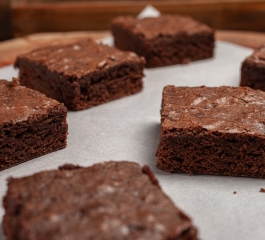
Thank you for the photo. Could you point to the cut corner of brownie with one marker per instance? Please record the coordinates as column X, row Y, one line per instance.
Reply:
column 31, row 124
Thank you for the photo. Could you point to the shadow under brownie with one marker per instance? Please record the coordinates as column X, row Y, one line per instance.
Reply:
column 164, row 40
column 82, row 75
column 213, row 130
column 112, row 200
column 31, row 124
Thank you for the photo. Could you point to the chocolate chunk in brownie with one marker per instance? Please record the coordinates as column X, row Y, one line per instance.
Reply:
column 213, row 130
column 31, row 124
column 112, row 200
column 164, row 40
column 253, row 70
column 83, row 74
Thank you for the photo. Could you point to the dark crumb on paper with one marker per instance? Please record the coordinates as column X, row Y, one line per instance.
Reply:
column 234, row 192
column 262, row 190
column 15, row 82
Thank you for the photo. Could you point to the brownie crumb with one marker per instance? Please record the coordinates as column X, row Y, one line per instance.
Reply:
column 262, row 190
column 15, row 82
column 234, row 192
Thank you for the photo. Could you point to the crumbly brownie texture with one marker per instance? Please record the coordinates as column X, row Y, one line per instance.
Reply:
column 218, row 130
column 164, row 40
column 113, row 200
column 31, row 124
column 253, row 70
column 83, row 74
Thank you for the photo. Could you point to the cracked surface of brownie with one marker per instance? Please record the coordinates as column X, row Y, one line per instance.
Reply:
column 164, row 40
column 213, row 130
column 31, row 124
column 83, row 74
column 111, row 200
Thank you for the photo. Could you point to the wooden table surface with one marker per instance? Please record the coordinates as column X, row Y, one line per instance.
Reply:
column 10, row 49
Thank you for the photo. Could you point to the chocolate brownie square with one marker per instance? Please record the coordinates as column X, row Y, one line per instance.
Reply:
column 253, row 70
column 112, row 200
column 83, row 74
column 213, row 130
column 164, row 40
column 31, row 124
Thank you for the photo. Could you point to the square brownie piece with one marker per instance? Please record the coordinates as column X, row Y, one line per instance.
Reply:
column 111, row 200
column 83, row 74
column 253, row 70
column 164, row 40
column 31, row 124
column 213, row 130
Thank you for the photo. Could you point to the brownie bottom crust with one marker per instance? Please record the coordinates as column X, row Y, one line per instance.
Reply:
column 214, row 153
column 39, row 135
column 166, row 50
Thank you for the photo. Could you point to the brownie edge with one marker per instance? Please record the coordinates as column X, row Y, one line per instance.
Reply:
column 164, row 40
column 121, row 200
column 31, row 125
column 253, row 70
column 212, row 130
column 83, row 74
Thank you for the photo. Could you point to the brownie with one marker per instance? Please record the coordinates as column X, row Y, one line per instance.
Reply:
column 111, row 200
column 164, row 40
column 83, row 74
column 213, row 130
column 253, row 70
column 31, row 124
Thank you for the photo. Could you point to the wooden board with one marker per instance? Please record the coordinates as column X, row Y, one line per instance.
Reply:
column 96, row 15
column 5, row 20
column 10, row 49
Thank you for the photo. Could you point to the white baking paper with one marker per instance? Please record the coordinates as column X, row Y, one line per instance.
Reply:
column 128, row 129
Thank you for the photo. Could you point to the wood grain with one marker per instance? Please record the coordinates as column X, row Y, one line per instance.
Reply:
column 247, row 39
column 10, row 49
column 96, row 15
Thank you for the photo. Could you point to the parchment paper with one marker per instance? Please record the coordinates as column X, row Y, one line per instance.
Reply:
column 128, row 129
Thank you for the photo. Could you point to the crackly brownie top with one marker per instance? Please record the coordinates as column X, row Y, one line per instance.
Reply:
column 111, row 200
column 19, row 103
column 80, row 58
column 152, row 27
column 223, row 109
column 258, row 57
